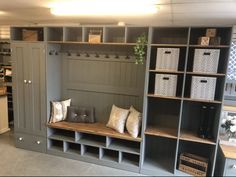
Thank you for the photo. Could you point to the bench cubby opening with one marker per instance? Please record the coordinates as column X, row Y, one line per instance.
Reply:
column 91, row 139
column 130, row 159
column 90, row 151
column 56, row 145
column 61, row 134
column 109, row 155
column 72, row 148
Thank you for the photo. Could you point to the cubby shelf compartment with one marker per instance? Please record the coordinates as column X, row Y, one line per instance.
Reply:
column 191, row 136
column 123, row 145
column 73, row 34
column 200, row 149
column 109, row 155
column 17, row 33
column 63, row 135
column 90, row 151
column 159, row 155
column 55, row 34
column 95, row 129
column 161, row 132
column 90, row 139
column 129, row 159
column 72, row 148
column 55, row 145
column 134, row 32
column 114, row 35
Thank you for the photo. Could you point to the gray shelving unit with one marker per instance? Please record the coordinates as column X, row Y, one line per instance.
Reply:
column 103, row 74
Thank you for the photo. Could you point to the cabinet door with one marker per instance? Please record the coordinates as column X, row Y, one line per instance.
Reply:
column 20, row 86
column 37, row 88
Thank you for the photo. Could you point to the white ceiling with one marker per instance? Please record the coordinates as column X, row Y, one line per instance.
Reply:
column 172, row 12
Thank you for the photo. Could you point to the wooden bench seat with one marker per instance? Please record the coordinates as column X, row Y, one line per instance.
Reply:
column 95, row 128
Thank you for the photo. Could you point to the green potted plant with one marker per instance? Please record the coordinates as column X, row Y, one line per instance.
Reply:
column 140, row 49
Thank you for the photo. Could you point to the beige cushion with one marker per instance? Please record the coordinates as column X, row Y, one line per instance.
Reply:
column 118, row 118
column 133, row 122
column 59, row 110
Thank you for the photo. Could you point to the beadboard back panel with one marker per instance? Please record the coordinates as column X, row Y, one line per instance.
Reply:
column 101, row 82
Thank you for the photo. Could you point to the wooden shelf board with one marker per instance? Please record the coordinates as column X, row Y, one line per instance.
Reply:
column 162, row 132
column 190, row 136
column 210, row 46
column 95, row 128
column 169, row 45
column 90, row 43
column 201, row 100
column 120, row 147
column 62, row 138
column 228, row 151
column 206, row 74
column 166, row 71
column 165, row 97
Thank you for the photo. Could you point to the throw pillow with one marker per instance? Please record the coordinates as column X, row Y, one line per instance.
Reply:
column 133, row 122
column 59, row 110
column 118, row 118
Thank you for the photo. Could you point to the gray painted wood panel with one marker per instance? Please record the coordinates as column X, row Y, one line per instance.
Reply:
column 101, row 83
column 29, row 88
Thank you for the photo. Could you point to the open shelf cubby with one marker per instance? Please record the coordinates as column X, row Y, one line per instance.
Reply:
column 55, row 145
column 109, row 155
column 159, row 155
column 90, row 139
column 223, row 32
column 199, row 149
column 223, row 59
column 54, row 34
column 152, row 79
column 114, row 35
column 193, row 116
column 90, row 151
column 163, row 117
column 134, row 32
column 87, row 30
column 219, row 88
column 73, row 34
column 17, row 33
column 130, row 159
column 60, row 134
column 182, row 58
column 124, row 145
column 170, row 35
column 72, row 148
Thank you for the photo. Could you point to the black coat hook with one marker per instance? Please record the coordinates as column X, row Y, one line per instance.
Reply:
column 127, row 57
column 96, row 55
column 87, row 55
column 78, row 54
column 117, row 56
column 106, row 56
column 68, row 54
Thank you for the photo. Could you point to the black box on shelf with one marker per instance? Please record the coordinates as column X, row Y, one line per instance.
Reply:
column 193, row 164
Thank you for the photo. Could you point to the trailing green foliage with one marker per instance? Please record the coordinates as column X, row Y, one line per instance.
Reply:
column 139, row 49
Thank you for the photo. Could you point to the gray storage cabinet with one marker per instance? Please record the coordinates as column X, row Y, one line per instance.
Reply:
column 29, row 95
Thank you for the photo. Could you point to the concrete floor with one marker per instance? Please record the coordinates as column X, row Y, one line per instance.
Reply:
column 19, row 162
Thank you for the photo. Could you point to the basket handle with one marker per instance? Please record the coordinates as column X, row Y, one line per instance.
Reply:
column 207, row 53
column 203, row 81
column 166, row 78
column 167, row 52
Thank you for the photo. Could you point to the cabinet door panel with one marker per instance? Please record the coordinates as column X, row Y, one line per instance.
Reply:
column 37, row 89
column 20, row 86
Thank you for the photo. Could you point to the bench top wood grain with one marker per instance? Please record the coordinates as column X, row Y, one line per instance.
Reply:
column 229, row 151
column 94, row 128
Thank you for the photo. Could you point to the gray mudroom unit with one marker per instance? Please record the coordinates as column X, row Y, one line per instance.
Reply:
column 63, row 64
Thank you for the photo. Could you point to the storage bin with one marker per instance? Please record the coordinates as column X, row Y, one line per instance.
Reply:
column 165, row 84
column 206, row 60
column 30, row 35
column 203, row 88
column 167, row 58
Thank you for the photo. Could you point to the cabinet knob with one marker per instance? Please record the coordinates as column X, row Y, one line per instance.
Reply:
column 234, row 166
column 25, row 81
column 29, row 81
column 38, row 142
column 20, row 139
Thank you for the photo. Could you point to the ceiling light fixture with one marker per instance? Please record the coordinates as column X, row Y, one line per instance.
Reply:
column 104, row 8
